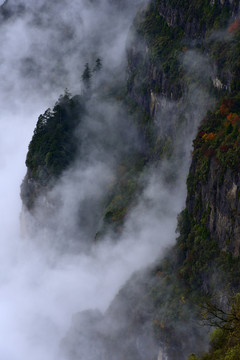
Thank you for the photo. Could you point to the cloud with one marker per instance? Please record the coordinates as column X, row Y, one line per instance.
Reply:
column 44, row 50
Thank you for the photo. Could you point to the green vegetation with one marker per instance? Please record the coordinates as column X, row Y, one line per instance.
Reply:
column 218, row 139
column 200, row 256
column 163, row 40
column 224, row 340
column 210, row 16
column 196, row 266
column 88, row 73
column 168, row 41
column 224, row 51
column 185, row 280
column 53, row 146
column 123, row 192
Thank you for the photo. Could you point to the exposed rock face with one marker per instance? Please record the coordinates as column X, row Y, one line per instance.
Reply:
column 174, row 17
column 141, row 88
column 148, row 74
column 192, row 26
column 219, row 198
column 150, row 87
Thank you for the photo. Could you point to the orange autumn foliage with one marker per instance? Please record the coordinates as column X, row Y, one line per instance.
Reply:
column 233, row 118
column 234, row 26
column 208, row 137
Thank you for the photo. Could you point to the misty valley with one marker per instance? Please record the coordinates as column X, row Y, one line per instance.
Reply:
column 120, row 180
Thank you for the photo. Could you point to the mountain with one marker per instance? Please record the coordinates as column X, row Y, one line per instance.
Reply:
column 182, row 83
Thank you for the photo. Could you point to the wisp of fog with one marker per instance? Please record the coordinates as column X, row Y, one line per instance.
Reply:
column 44, row 47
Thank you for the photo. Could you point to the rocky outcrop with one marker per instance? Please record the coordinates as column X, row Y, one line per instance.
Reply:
column 153, row 80
column 175, row 16
column 218, row 199
column 158, row 315
column 193, row 26
column 167, row 25
column 53, row 147
column 147, row 79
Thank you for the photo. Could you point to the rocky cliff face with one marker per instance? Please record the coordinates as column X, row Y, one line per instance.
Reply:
column 154, row 73
column 189, row 18
column 166, row 30
column 206, row 258
column 163, row 80
column 219, row 198
column 213, row 182
column 53, row 147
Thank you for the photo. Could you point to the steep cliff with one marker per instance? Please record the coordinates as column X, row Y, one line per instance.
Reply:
column 205, row 262
column 213, row 182
column 165, row 31
column 52, row 148
column 158, row 77
column 182, row 54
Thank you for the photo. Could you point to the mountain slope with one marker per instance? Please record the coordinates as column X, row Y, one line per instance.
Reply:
column 183, row 59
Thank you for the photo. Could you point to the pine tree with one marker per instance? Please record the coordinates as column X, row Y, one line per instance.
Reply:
column 86, row 76
column 98, row 65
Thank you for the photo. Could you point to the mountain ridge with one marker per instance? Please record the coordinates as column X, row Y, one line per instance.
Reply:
column 165, row 75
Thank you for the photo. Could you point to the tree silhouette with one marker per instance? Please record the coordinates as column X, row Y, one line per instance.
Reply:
column 98, row 65
column 86, row 76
